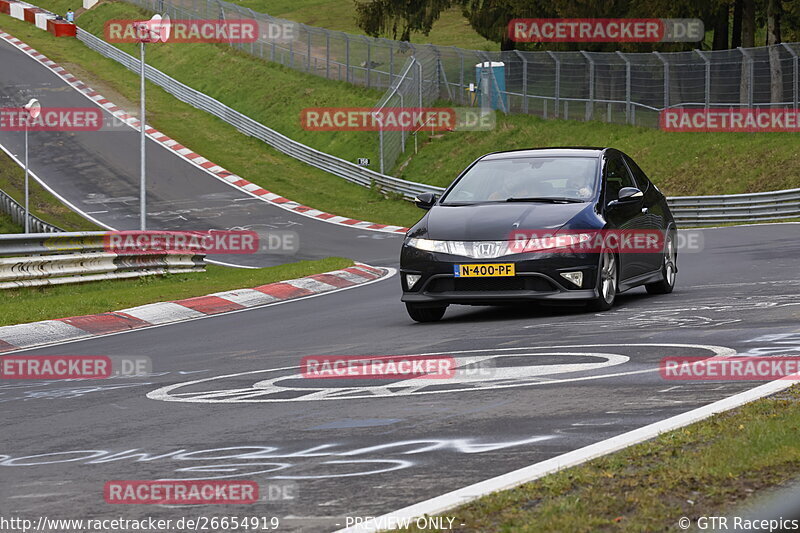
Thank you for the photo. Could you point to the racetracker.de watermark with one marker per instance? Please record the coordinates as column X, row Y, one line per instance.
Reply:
column 729, row 368
column 206, row 242
column 397, row 119
column 52, row 119
column 52, row 367
column 626, row 241
column 181, row 492
column 605, row 30
column 197, row 31
column 378, row 367
column 730, row 120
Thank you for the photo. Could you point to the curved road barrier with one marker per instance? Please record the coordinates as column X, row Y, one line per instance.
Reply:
column 55, row 259
column 13, row 209
column 49, row 331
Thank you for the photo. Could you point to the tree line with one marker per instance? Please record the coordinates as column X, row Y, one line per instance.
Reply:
column 728, row 23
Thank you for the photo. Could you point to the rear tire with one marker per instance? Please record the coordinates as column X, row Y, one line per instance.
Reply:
column 607, row 281
column 669, row 270
column 425, row 314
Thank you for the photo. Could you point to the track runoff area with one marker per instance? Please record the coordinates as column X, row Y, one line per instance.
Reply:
column 250, row 420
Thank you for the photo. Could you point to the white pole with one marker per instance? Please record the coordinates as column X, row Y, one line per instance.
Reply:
column 142, row 138
column 27, row 192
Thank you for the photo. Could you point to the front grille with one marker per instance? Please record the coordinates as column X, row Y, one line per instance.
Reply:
column 516, row 283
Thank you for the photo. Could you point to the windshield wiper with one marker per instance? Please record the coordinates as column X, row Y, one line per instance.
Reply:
column 551, row 200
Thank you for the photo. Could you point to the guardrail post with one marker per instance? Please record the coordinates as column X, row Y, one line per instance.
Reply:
column 708, row 77
column 524, row 81
column 590, row 103
column 558, row 84
column 627, row 87
column 794, row 74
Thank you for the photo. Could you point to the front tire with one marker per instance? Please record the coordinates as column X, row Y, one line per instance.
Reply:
column 425, row 314
column 669, row 270
column 607, row 282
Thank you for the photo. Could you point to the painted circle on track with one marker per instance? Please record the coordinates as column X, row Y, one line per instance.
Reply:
column 287, row 385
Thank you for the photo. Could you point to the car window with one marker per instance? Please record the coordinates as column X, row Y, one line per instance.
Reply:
column 616, row 177
column 638, row 174
column 541, row 177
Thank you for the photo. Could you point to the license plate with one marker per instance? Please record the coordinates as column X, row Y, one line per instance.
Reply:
column 493, row 270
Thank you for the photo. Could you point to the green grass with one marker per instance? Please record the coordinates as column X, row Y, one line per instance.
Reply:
column 31, row 304
column 265, row 92
column 43, row 204
column 7, row 226
column 705, row 469
column 679, row 163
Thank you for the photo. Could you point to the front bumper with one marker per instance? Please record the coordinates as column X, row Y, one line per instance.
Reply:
column 538, row 277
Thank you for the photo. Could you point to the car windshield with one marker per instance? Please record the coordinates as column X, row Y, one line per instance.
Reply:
column 535, row 179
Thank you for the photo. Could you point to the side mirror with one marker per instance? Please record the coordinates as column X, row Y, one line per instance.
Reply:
column 425, row 200
column 627, row 196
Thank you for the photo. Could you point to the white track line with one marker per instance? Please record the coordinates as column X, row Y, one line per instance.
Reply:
column 445, row 502
column 389, row 273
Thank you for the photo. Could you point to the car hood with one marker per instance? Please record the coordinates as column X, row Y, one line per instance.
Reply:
column 496, row 221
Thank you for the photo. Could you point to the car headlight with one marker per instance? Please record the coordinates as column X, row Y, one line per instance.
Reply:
column 429, row 245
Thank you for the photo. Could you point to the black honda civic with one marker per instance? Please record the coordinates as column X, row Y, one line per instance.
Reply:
column 557, row 225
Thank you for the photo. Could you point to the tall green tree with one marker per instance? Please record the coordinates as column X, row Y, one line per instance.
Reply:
column 399, row 18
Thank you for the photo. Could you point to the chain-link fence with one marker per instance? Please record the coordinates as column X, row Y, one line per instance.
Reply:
column 626, row 88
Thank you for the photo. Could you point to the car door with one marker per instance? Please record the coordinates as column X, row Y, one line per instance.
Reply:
column 617, row 176
column 653, row 210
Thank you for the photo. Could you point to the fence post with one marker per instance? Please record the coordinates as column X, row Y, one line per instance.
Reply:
column 590, row 104
column 558, row 84
column 327, row 54
column 369, row 59
column 749, row 77
column 402, row 133
column 524, row 81
column 794, row 74
column 419, row 82
column 627, row 87
column 346, row 58
column 666, row 79
column 391, row 63
column 380, row 140
column 308, row 45
column 708, row 77
column 461, row 85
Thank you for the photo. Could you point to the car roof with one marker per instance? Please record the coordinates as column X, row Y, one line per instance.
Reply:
column 564, row 151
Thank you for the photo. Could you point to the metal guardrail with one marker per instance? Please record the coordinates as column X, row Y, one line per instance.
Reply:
column 329, row 163
column 34, row 260
column 733, row 208
column 10, row 207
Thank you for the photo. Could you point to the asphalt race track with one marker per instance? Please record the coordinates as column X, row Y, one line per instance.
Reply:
column 223, row 399
column 98, row 173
